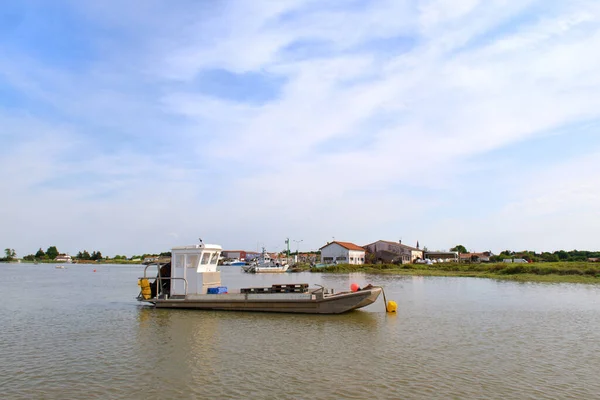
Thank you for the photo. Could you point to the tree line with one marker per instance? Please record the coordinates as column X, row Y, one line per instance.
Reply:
column 52, row 252
column 556, row 256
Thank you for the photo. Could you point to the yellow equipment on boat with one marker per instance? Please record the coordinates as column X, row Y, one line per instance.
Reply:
column 145, row 285
column 391, row 306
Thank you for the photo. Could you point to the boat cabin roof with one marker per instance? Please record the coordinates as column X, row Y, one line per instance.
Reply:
column 198, row 247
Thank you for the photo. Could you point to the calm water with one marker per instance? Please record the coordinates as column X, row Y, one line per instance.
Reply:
column 78, row 334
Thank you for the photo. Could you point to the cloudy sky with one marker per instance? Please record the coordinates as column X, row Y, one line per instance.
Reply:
column 134, row 126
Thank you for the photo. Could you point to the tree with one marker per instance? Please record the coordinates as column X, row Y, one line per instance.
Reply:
column 52, row 252
column 40, row 253
column 563, row 255
column 10, row 254
column 460, row 248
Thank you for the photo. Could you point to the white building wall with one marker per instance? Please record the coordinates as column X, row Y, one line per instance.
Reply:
column 356, row 257
column 335, row 252
column 332, row 252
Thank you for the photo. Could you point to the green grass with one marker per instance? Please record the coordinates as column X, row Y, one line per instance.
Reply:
column 571, row 272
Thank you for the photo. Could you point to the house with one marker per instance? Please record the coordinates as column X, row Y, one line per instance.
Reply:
column 476, row 257
column 342, row 253
column 234, row 254
column 387, row 251
column 63, row 258
column 446, row 256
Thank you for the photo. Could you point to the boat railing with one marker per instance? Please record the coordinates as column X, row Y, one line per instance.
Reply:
column 159, row 279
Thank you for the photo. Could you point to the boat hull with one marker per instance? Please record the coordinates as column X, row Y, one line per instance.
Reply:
column 265, row 270
column 305, row 303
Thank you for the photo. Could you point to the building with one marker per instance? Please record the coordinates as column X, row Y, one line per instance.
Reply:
column 476, row 257
column 387, row 251
column 342, row 253
column 63, row 258
column 447, row 256
column 250, row 255
column 234, row 254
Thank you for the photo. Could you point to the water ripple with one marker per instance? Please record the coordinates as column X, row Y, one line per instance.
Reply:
column 81, row 335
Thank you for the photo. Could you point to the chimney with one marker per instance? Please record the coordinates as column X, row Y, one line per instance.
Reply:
column 400, row 241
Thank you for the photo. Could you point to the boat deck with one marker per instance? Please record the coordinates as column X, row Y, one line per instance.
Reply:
column 281, row 288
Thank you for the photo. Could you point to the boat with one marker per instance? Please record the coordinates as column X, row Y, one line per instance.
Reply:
column 59, row 267
column 192, row 280
column 234, row 262
column 265, row 263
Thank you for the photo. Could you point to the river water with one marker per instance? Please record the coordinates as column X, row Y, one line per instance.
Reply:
column 76, row 334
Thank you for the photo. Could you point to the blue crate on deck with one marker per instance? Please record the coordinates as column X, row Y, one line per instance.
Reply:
column 217, row 290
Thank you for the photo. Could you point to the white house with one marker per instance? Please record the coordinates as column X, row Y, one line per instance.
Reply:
column 63, row 258
column 394, row 251
column 342, row 253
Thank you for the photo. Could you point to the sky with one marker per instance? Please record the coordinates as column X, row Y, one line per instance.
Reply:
column 130, row 126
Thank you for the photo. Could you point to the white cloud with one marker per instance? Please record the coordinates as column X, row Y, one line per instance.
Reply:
column 362, row 141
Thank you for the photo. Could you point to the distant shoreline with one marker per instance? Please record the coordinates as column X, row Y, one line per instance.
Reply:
column 543, row 272
column 73, row 263
column 554, row 272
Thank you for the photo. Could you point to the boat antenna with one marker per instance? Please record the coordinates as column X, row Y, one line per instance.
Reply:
column 200, row 239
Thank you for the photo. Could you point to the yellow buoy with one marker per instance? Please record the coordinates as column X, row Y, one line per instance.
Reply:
column 391, row 306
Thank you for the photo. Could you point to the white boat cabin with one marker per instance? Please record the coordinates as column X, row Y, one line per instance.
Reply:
column 198, row 266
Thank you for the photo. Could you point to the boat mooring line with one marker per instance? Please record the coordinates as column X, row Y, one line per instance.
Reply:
column 385, row 303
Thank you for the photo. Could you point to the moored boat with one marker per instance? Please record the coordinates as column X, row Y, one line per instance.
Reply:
column 192, row 280
column 265, row 264
column 234, row 262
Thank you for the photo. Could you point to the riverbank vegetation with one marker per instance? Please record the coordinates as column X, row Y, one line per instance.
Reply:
column 52, row 255
column 576, row 272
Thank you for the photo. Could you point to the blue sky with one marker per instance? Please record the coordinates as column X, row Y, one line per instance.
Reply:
column 134, row 126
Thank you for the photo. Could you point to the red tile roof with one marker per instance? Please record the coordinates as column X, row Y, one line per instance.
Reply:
column 346, row 245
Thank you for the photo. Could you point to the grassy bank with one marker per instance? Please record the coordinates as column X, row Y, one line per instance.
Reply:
column 572, row 272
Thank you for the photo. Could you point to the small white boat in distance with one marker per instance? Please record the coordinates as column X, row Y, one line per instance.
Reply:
column 60, row 267
column 234, row 262
column 265, row 263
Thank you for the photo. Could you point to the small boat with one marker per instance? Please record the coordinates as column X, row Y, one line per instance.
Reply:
column 59, row 267
column 234, row 262
column 192, row 280
column 265, row 263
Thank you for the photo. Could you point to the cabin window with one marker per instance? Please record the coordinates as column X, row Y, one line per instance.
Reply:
column 179, row 261
column 205, row 258
column 191, row 261
column 215, row 258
